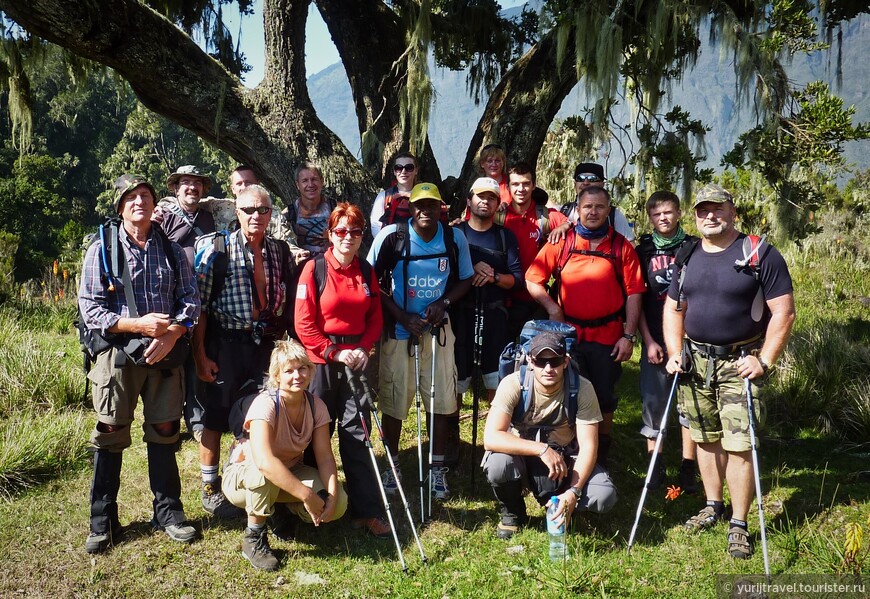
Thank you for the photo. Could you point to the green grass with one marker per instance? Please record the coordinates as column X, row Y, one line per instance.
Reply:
column 815, row 485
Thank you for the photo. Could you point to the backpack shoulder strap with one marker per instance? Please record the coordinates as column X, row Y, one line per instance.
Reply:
column 681, row 260
column 320, row 274
column 175, row 209
column 572, row 390
column 526, row 382
column 452, row 249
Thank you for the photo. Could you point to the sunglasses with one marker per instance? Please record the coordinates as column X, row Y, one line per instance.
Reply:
column 554, row 362
column 588, row 179
column 344, row 232
column 250, row 210
column 492, row 147
column 408, row 168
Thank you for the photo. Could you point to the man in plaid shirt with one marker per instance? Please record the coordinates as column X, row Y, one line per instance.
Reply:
column 246, row 311
column 167, row 300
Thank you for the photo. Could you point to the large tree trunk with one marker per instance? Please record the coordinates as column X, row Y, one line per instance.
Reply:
column 272, row 127
column 370, row 39
column 523, row 105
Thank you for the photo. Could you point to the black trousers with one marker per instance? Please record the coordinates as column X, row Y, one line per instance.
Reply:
column 330, row 384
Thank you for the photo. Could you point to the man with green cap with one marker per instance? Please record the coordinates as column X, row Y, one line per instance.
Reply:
column 159, row 281
column 727, row 318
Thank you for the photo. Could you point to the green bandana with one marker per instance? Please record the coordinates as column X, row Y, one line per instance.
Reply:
column 666, row 243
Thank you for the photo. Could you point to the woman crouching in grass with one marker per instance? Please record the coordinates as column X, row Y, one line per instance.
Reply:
column 266, row 468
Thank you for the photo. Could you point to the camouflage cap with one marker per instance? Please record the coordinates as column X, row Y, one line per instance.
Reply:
column 712, row 193
column 425, row 191
column 188, row 170
column 127, row 183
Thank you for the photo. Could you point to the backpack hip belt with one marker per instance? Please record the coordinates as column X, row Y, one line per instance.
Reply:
column 708, row 350
column 595, row 322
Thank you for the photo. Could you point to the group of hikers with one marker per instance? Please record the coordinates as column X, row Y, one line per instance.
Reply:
column 242, row 319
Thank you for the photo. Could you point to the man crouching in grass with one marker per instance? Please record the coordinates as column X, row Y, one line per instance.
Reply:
column 545, row 447
column 265, row 470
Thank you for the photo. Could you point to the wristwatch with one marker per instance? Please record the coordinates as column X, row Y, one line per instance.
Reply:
column 496, row 278
column 446, row 301
column 630, row 337
column 578, row 492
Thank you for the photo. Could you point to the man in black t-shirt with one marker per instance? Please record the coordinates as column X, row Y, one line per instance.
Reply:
column 656, row 252
column 734, row 304
column 497, row 270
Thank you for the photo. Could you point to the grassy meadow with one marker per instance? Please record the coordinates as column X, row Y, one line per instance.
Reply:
column 814, row 464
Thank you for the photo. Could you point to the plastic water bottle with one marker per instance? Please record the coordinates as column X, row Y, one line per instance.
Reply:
column 558, row 548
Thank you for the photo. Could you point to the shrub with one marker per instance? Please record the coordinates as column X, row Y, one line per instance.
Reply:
column 36, row 446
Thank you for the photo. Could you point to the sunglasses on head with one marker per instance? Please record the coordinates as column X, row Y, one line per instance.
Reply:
column 588, row 179
column 492, row 147
column 553, row 361
column 344, row 232
column 250, row 210
column 408, row 168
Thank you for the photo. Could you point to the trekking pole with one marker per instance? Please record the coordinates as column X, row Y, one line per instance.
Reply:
column 364, row 382
column 475, row 390
column 652, row 462
column 755, row 471
column 356, row 392
column 415, row 341
column 432, row 417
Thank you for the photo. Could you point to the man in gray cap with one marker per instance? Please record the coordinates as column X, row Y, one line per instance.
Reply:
column 154, row 303
column 543, row 429
column 183, row 220
column 729, row 314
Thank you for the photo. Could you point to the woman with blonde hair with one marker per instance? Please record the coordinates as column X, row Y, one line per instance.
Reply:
column 265, row 467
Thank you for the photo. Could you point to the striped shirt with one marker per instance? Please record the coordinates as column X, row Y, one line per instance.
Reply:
column 154, row 284
column 234, row 307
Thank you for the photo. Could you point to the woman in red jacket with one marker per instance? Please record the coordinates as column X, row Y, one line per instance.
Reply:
column 338, row 320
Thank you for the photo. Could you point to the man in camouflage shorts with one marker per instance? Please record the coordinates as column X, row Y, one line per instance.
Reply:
column 727, row 318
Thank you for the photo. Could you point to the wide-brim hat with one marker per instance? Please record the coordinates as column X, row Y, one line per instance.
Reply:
column 425, row 191
column 712, row 193
column 127, row 183
column 188, row 170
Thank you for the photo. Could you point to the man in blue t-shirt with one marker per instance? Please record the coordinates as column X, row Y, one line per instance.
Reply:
column 424, row 267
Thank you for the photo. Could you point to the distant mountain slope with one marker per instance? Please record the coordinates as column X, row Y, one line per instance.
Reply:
column 707, row 92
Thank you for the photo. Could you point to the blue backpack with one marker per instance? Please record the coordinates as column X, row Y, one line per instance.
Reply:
column 514, row 359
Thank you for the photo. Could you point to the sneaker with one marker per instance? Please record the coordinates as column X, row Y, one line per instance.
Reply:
column 688, row 477
column 659, row 473
column 255, row 549
column 391, row 484
column 440, row 490
column 739, row 544
column 182, row 533
column 215, row 502
column 376, row 526
column 706, row 518
column 100, row 542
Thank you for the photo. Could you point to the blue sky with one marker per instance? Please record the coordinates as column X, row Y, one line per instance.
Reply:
column 320, row 52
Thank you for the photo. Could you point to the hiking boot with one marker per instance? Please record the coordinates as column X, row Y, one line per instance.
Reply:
column 688, row 477
column 706, row 518
column 440, row 490
column 508, row 526
column 739, row 543
column 182, row 533
column 659, row 473
column 255, row 549
column 376, row 526
column 100, row 542
column 391, row 484
column 215, row 502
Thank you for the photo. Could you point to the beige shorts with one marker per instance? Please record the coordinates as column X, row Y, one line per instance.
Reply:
column 398, row 376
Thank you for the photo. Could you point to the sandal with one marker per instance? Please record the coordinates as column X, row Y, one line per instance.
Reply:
column 739, row 544
column 706, row 518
